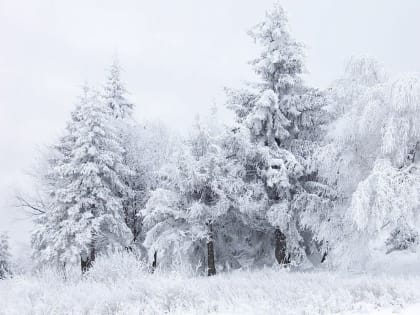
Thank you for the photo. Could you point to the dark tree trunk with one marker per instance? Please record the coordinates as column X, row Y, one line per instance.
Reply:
column 154, row 263
column 280, row 248
column 211, row 268
column 83, row 264
column 86, row 263
column 324, row 257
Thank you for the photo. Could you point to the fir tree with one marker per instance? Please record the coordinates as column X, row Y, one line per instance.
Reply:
column 121, row 111
column 285, row 120
column 86, row 216
column 115, row 93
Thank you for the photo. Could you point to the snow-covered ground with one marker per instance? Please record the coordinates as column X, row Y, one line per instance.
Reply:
column 265, row 292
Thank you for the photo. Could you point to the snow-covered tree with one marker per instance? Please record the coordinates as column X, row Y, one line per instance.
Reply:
column 193, row 196
column 285, row 119
column 136, row 140
column 5, row 265
column 121, row 113
column 148, row 147
column 115, row 93
column 370, row 156
column 86, row 214
column 362, row 84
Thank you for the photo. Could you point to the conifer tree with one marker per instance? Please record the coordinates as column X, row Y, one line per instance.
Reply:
column 284, row 119
column 121, row 111
column 115, row 93
column 86, row 214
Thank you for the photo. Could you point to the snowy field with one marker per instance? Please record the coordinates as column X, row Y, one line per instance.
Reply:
column 268, row 291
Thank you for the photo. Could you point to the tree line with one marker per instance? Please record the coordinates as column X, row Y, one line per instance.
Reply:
column 302, row 176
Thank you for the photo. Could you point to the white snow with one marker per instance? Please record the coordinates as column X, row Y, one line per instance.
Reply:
column 122, row 286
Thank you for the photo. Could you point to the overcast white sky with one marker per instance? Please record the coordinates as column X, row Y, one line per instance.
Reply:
column 177, row 57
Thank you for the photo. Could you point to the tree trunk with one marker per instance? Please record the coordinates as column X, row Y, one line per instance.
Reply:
column 324, row 257
column 211, row 268
column 86, row 263
column 280, row 248
column 154, row 263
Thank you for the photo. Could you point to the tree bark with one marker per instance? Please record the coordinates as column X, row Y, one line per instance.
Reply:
column 211, row 268
column 280, row 248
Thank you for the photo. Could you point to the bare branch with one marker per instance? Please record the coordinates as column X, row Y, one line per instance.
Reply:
column 35, row 208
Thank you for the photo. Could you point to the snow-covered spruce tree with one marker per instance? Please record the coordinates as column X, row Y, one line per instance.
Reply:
column 285, row 119
column 47, row 217
column 115, row 93
column 370, row 155
column 192, row 197
column 5, row 265
column 86, row 213
column 121, row 110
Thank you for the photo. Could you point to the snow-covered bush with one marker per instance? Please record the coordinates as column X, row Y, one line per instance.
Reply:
column 117, row 266
column 402, row 238
column 47, row 273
